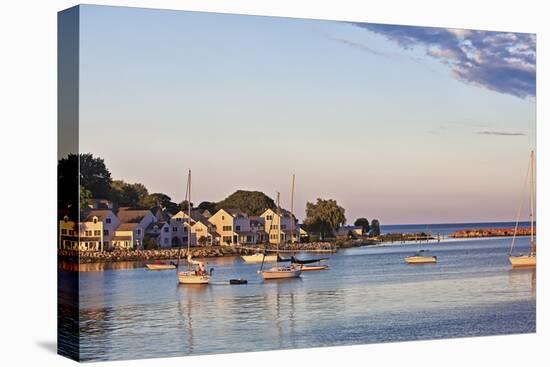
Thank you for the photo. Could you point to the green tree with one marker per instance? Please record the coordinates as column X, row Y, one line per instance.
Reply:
column 250, row 202
column 150, row 244
column 85, row 198
column 125, row 194
column 203, row 240
column 208, row 205
column 95, row 176
column 324, row 217
column 375, row 228
column 363, row 223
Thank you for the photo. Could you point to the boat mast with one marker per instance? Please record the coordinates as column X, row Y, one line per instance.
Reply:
column 292, row 211
column 189, row 216
column 532, row 199
column 278, row 227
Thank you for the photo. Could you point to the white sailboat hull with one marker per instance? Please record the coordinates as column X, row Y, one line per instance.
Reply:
column 281, row 273
column 314, row 267
column 523, row 261
column 258, row 258
column 189, row 277
column 160, row 266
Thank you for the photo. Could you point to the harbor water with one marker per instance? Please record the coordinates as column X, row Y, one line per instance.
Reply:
column 369, row 295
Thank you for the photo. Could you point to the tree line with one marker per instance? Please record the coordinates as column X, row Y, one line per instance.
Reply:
column 323, row 217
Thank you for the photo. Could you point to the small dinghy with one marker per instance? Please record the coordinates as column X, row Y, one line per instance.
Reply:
column 238, row 281
column 421, row 257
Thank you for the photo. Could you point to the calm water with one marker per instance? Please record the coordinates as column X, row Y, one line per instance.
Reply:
column 368, row 296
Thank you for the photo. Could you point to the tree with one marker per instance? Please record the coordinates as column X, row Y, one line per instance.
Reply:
column 184, row 205
column 82, row 176
column 150, row 244
column 249, row 202
column 203, row 240
column 375, row 228
column 208, row 205
column 85, row 198
column 126, row 194
column 324, row 217
column 95, row 176
column 363, row 223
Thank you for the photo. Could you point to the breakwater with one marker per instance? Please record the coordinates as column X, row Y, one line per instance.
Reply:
column 491, row 232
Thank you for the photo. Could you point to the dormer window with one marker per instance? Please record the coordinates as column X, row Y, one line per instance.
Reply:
column 108, row 220
column 65, row 219
column 94, row 220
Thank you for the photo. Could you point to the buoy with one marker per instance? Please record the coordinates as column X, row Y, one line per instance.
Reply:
column 238, row 281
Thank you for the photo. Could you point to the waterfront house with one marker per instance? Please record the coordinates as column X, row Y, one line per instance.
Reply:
column 90, row 233
column 232, row 226
column 109, row 221
column 257, row 226
column 68, row 234
column 160, row 233
column 203, row 233
column 286, row 221
column 136, row 221
column 349, row 232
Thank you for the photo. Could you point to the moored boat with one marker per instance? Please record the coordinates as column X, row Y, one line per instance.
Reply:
column 198, row 276
column 280, row 272
column 529, row 260
column 259, row 258
column 421, row 257
column 160, row 266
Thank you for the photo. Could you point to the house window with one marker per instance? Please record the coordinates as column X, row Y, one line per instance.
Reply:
column 223, row 217
column 95, row 220
column 166, row 229
column 138, row 232
column 97, row 233
column 174, row 229
column 88, row 233
column 269, row 217
column 105, row 232
column 227, row 239
column 238, row 228
column 63, row 231
column 178, row 219
column 108, row 220
column 227, row 228
column 65, row 219
column 283, row 226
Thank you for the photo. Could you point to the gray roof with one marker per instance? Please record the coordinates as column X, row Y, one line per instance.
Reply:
column 132, row 215
column 101, row 214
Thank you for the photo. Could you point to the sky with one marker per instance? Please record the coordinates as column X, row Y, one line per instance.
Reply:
column 403, row 124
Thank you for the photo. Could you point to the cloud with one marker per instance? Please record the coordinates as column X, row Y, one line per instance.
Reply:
column 499, row 61
column 499, row 133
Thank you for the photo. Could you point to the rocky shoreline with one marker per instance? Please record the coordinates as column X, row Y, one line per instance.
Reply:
column 86, row 257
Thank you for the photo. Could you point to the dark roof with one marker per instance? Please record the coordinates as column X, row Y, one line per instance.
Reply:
column 127, row 226
column 151, row 226
column 132, row 215
column 236, row 212
column 101, row 214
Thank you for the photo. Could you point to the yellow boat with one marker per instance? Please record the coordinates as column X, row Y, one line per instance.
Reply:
column 420, row 258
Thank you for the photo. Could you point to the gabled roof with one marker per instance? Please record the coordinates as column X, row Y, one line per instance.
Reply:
column 132, row 215
column 151, row 226
column 236, row 212
column 127, row 227
column 101, row 214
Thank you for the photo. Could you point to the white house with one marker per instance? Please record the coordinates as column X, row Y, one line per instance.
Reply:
column 287, row 223
column 135, row 221
column 109, row 221
column 160, row 233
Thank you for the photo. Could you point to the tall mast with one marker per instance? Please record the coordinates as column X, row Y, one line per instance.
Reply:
column 531, row 195
column 292, row 211
column 279, row 226
column 189, row 214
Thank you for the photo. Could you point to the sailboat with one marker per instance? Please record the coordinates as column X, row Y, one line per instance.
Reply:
column 529, row 260
column 258, row 258
column 305, row 265
column 199, row 275
column 280, row 272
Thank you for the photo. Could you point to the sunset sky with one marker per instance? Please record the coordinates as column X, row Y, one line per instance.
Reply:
column 403, row 124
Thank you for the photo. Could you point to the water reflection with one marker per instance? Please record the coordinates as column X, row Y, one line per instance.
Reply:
column 523, row 279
